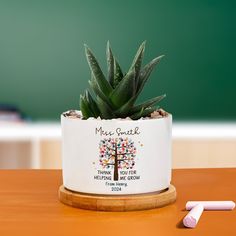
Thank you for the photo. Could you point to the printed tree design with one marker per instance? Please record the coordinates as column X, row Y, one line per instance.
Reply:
column 117, row 153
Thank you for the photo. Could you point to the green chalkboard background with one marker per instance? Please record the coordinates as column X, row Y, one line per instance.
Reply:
column 43, row 68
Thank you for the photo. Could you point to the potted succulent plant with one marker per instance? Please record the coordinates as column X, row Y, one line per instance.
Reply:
column 113, row 146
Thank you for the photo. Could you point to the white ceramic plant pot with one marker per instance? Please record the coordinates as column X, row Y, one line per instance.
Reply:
column 116, row 156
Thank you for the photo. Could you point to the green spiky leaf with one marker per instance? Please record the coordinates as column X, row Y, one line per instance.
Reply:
column 118, row 74
column 146, row 71
column 98, row 92
column 110, row 65
column 84, row 107
column 97, row 72
column 143, row 113
column 106, row 111
column 137, row 61
column 146, row 104
column 92, row 104
column 123, row 111
column 124, row 90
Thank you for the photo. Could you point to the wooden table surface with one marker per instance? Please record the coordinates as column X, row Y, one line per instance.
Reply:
column 29, row 206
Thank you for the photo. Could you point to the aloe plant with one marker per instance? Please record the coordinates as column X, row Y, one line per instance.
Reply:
column 115, row 97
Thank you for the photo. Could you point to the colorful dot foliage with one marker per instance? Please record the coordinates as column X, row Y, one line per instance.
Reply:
column 120, row 150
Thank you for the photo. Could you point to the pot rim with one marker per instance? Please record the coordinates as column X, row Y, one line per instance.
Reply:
column 115, row 120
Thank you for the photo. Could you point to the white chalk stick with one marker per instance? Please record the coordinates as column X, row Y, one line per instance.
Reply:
column 212, row 205
column 192, row 218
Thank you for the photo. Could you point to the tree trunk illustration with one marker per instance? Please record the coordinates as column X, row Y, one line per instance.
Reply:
column 116, row 173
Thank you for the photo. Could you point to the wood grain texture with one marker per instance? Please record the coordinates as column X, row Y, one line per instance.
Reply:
column 118, row 202
column 29, row 206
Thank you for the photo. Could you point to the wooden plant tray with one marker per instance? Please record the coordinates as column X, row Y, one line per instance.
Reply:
column 118, row 202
